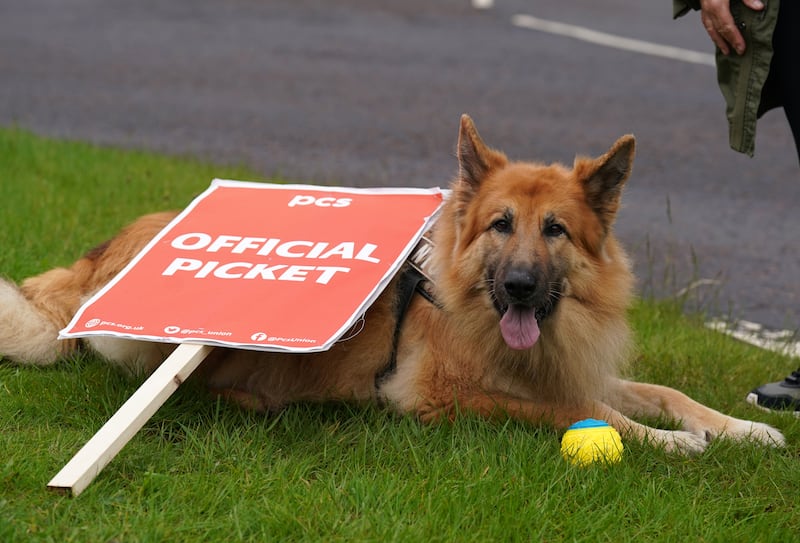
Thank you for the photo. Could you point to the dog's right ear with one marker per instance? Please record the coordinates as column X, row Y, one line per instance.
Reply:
column 475, row 159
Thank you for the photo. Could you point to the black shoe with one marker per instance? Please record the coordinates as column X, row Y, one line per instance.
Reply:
column 781, row 396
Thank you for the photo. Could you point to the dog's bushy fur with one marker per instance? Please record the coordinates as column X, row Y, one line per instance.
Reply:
column 531, row 291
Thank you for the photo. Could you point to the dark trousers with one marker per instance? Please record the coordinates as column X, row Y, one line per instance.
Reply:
column 784, row 72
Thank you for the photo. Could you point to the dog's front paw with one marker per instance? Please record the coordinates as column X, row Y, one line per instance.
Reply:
column 680, row 442
column 747, row 430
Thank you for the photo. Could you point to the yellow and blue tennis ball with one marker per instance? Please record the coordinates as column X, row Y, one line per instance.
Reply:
column 591, row 440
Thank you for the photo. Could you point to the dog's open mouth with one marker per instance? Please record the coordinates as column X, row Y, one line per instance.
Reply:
column 520, row 327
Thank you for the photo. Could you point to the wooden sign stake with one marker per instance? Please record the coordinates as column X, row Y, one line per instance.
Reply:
column 129, row 419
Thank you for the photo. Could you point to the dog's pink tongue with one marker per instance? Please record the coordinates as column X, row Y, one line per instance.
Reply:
column 519, row 327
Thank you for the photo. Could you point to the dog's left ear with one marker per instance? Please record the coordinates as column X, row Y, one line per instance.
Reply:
column 604, row 177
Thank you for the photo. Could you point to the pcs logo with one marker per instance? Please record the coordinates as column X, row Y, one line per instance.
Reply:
column 305, row 200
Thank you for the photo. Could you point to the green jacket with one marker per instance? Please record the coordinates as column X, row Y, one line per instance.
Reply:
column 741, row 78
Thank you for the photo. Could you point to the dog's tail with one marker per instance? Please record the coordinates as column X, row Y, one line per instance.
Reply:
column 29, row 322
column 32, row 314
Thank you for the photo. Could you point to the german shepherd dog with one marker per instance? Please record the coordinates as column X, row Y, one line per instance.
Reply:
column 522, row 314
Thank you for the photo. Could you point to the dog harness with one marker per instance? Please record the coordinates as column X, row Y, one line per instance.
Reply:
column 412, row 279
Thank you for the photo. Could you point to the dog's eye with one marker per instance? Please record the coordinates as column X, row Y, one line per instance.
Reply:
column 502, row 225
column 554, row 230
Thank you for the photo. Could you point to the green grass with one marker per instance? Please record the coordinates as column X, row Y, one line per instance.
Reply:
column 201, row 470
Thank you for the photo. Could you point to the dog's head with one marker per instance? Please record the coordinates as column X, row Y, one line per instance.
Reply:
column 522, row 236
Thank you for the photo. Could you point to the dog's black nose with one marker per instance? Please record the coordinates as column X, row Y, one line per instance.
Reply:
column 520, row 284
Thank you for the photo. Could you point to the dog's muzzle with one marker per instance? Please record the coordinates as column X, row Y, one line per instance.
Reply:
column 523, row 299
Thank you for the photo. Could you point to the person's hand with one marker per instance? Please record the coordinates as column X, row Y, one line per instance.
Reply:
column 718, row 22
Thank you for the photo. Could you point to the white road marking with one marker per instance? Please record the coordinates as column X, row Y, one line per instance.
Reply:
column 482, row 4
column 780, row 341
column 611, row 40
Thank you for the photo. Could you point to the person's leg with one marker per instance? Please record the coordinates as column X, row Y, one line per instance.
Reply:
column 784, row 68
column 785, row 75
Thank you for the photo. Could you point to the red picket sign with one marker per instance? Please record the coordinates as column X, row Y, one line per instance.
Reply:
column 262, row 266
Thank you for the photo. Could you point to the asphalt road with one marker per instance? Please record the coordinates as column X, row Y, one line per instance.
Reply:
column 368, row 93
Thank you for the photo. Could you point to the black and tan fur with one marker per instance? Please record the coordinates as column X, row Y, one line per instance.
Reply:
column 532, row 290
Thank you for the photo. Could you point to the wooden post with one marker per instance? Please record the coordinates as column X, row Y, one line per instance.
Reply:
column 129, row 419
